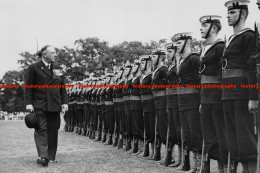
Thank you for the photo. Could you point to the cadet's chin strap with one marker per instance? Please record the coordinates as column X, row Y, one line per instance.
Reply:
column 239, row 17
column 159, row 55
column 145, row 65
column 129, row 72
column 210, row 28
column 184, row 45
column 122, row 74
column 137, row 69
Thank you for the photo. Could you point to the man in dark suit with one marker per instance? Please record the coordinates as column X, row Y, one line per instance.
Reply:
column 47, row 103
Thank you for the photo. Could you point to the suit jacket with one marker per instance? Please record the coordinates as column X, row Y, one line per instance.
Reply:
column 44, row 99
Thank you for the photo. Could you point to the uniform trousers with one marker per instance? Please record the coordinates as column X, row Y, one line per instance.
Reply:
column 161, row 116
column 149, row 120
column 174, row 122
column 190, row 122
column 99, row 110
column 117, row 120
column 111, row 118
column 241, row 141
column 213, row 131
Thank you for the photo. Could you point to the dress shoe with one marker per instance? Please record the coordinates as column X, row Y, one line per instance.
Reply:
column 43, row 161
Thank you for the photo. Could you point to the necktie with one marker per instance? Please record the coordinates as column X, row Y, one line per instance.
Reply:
column 49, row 66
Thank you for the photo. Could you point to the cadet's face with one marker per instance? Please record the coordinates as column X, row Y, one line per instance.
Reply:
column 170, row 55
column 50, row 54
column 179, row 44
column 126, row 72
column 233, row 16
column 142, row 65
column 134, row 68
column 204, row 29
column 154, row 59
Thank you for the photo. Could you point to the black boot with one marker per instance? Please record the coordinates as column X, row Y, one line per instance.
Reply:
column 128, row 145
column 79, row 131
column 146, row 150
column 168, row 159
column 186, row 162
column 99, row 137
column 104, row 138
column 85, row 132
column 110, row 141
column 206, row 164
column 157, row 153
column 120, row 143
column 93, row 136
column 233, row 166
column 135, row 149
column 115, row 141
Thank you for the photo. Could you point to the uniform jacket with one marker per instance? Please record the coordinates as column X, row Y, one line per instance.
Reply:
column 211, row 65
column 159, row 77
column 238, row 56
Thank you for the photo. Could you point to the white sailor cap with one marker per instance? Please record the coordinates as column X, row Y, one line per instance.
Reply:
column 210, row 19
column 159, row 52
column 182, row 36
column 237, row 4
column 145, row 58
column 170, row 46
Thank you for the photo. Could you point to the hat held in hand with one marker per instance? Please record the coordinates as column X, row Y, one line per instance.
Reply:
column 31, row 120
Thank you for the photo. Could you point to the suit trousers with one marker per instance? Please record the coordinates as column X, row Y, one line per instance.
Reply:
column 46, row 136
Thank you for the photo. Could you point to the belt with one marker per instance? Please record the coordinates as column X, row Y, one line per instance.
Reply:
column 93, row 103
column 135, row 97
column 119, row 99
column 80, row 103
column 229, row 73
column 159, row 93
column 86, row 101
column 98, row 103
column 125, row 98
column 185, row 90
column 146, row 97
column 102, row 102
column 171, row 91
column 209, row 79
column 109, row 102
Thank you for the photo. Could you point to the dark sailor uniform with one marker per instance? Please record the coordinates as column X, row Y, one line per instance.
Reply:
column 189, row 101
column 136, row 109
column 239, row 69
column 160, row 101
column 212, row 115
column 121, row 113
column 148, row 111
column 109, row 106
column 128, row 116
column 174, row 122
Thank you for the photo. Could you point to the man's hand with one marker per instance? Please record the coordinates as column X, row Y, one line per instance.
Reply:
column 252, row 106
column 29, row 108
column 65, row 108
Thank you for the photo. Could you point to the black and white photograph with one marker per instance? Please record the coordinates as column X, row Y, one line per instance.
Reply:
column 130, row 86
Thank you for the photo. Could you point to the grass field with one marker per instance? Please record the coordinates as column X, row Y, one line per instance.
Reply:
column 75, row 154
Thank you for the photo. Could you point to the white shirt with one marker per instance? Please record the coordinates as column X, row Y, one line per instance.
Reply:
column 47, row 64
